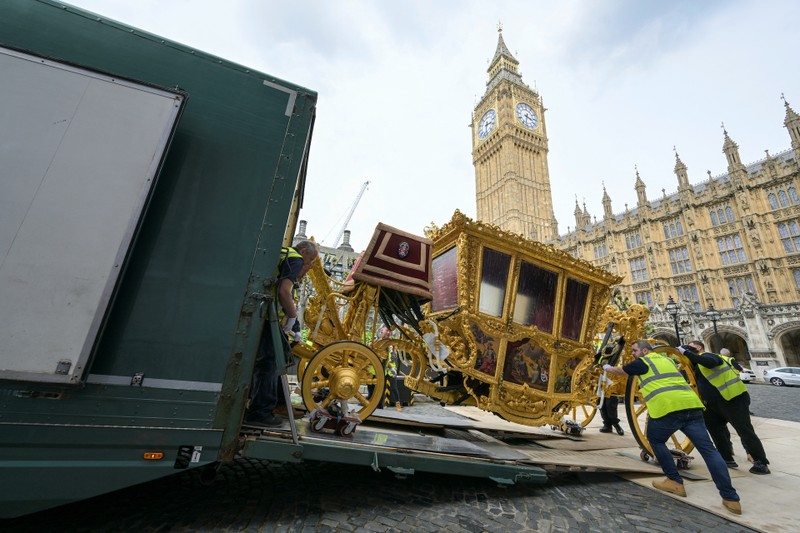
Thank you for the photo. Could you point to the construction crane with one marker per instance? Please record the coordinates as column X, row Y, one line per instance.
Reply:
column 350, row 214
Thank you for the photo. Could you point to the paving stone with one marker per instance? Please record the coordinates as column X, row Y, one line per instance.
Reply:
column 252, row 495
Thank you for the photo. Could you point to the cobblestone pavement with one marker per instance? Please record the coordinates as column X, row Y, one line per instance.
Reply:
column 251, row 495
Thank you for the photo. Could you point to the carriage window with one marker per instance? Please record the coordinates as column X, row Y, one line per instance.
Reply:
column 493, row 282
column 536, row 297
column 445, row 281
column 574, row 304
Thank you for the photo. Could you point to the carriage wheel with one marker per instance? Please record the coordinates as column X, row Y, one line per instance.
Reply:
column 341, row 370
column 583, row 414
column 636, row 410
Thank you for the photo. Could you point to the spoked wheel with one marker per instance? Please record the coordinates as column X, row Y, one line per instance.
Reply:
column 637, row 412
column 583, row 414
column 344, row 370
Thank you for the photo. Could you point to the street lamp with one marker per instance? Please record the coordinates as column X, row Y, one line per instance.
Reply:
column 672, row 309
column 713, row 315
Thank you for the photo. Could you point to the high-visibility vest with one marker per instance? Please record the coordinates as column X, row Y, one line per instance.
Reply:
column 286, row 253
column 664, row 389
column 724, row 378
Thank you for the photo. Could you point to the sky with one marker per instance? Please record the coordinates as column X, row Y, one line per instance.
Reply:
column 624, row 84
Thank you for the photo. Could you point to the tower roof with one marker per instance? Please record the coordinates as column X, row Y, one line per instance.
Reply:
column 790, row 114
column 729, row 143
column 679, row 165
column 503, row 66
column 639, row 183
column 502, row 50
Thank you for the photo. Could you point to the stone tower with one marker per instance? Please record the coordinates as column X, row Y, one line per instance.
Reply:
column 509, row 151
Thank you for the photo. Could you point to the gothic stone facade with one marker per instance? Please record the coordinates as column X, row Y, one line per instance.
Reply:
column 731, row 241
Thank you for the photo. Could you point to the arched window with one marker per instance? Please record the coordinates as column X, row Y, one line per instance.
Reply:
column 796, row 273
column 729, row 212
column 714, row 218
column 680, row 228
column 666, row 231
column 790, row 236
column 773, row 200
column 783, row 199
column 793, row 195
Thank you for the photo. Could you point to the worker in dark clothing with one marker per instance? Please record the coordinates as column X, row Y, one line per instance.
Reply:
column 673, row 406
column 608, row 412
column 727, row 402
column 265, row 391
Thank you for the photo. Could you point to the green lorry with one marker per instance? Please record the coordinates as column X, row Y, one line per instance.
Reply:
column 145, row 191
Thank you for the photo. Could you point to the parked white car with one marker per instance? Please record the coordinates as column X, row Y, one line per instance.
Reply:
column 788, row 375
column 747, row 375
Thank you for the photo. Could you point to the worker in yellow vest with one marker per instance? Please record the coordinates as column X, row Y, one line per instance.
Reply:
column 672, row 405
column 727, row 402
column 293, row 264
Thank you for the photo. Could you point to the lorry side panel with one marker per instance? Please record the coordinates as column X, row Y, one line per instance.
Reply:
column 171, row 366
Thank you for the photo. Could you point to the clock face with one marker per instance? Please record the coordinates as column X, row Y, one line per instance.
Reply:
column 486, row 124
column 527, row 116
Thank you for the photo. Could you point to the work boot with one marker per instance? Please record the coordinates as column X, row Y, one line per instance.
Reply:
column 668, row 485
column 605, row 429
column 731, row 463
column 619, row 429
column 266, row 421
column 759, row 467
column 732, row 506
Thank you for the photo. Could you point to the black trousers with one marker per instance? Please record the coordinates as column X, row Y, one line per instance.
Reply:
column 736, row 412
column 266, row 390
column 608, row 411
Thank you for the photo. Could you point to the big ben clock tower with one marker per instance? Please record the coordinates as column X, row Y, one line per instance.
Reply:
column 509, row 151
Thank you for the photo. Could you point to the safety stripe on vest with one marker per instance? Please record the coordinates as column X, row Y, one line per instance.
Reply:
column 730, row 382
column 720, row 370
column 717, row 371
column 666, row 389
column 658, row 376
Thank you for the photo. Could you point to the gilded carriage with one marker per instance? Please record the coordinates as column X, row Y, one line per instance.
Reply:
column 483, row 317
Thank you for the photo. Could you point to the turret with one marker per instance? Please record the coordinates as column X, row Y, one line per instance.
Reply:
column 736, row 170
column 681, row 173
column 301, row 232
column 607, row 212
column 345, row 246
column 792, row 123
column 641, row 194
column 578, row 215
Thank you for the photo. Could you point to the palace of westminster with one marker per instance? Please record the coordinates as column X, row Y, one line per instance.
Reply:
column 717, row 260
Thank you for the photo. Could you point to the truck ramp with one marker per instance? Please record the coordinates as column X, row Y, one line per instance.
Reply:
column 453, row 442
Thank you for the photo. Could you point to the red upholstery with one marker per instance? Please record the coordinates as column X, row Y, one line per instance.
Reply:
column 397, row 260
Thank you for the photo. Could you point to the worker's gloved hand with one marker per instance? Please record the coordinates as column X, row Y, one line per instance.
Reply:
column 288, row 325
column 606, row 366
column 686, row 348
column 297, row 336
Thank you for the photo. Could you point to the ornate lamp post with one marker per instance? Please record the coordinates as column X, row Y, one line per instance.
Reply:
column 672, row 309
column 713, row 315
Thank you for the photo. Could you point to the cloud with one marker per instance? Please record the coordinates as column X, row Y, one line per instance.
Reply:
column 623, row 82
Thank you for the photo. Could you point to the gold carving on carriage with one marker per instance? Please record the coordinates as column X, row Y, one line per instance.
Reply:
column 485, row 318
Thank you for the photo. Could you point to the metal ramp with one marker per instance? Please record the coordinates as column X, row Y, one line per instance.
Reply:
column 446, row 443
